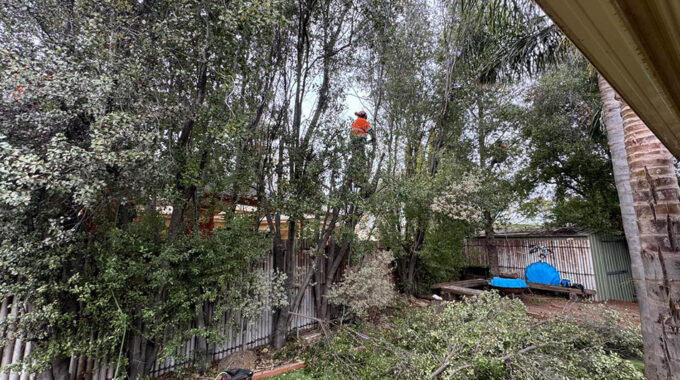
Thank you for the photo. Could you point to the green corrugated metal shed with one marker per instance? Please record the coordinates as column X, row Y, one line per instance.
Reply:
column 612, row 267
column 599, row 262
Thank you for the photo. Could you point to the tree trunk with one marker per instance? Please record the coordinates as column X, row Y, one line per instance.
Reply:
column 340, row 252
column 411, row 277
column 280, row 327
column 319, row 281
column 491, row 250
column 284, row 260
column 657, row 206
column 611, row 109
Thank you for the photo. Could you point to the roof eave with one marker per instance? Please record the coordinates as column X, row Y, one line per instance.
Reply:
column 635, row 45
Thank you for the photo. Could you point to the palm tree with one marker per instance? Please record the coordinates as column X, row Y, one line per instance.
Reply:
column 611, row 112
column 656, row 201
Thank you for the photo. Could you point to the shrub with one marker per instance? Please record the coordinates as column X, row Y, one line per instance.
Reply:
column 367, row 288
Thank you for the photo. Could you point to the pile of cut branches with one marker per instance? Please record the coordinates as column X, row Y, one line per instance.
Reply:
column 487, row 337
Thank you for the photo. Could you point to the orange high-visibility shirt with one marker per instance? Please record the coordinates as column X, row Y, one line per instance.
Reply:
column 360, row 127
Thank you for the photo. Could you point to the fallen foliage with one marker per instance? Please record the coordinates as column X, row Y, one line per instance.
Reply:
column 486, row 337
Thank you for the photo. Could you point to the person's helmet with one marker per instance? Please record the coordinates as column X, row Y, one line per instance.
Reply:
column 361, row 113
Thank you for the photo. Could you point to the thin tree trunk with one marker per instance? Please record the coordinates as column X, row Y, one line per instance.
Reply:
column 334, row 263
column 491, row 250
column 611, row 109
column 657, row 206
column 183, row 142
column 411, row 275
column 281, row 328
column 282, row 262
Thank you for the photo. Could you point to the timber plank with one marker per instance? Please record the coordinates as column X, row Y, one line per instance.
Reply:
column 278, row 371
column 559, row 289
column 459, row 290
column 464, row 283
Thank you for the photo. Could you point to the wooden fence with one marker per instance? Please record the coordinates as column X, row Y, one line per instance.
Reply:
column 239, row 335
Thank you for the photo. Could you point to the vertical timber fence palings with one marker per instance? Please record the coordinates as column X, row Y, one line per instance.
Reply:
column 239, row 335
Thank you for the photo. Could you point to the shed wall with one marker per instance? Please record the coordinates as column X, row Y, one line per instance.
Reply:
column 570, row 256
column 612, row 268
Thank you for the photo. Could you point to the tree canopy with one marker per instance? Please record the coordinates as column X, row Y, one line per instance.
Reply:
column 128, row 127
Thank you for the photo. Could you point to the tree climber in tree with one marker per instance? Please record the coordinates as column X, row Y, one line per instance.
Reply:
column 360, row 128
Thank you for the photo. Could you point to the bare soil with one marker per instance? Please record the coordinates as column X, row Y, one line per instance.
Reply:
column 544, row 307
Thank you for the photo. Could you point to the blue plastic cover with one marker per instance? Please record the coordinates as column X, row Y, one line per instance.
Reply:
column 507, row 282
column 542, row 273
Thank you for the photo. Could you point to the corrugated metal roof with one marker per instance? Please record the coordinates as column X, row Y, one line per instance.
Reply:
column 540, row 232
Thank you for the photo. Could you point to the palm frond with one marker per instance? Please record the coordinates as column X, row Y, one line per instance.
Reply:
column 528, row 53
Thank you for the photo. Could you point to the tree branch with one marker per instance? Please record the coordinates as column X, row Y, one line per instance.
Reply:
column 504, row 358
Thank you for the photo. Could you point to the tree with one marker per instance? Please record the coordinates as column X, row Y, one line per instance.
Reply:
column 611, row 110
column 293, row 182
column 423, row 134
column 567, row 149
column 657, row 206
column 411, row 129
column 484, row 183
column 118, row 110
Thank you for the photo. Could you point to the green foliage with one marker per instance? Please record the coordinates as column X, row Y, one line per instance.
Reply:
column 294, row 375
column 408, row 202
column 568, row 149
column 366, row 288
column 442, row 255
column 488, row 337
column 451, row 145
column 94, row 98
column 113, row 113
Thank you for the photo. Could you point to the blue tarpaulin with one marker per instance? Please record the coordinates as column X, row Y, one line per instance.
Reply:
column 542, row 273
column 507, row 282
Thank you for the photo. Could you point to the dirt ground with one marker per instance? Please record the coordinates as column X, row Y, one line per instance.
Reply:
column 259, row 359
column 541, row 306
